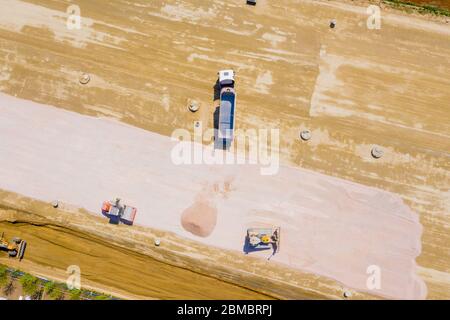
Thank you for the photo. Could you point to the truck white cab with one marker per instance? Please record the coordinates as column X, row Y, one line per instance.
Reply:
column 226, row 78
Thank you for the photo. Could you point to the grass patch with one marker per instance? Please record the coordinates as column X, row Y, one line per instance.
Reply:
column 53, row 291
column 3, row 276
column 422, row 9
column 75, row 294
column 35, row 287
column 30, row 284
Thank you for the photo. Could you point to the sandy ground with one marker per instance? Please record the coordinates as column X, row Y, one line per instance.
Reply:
column 48, row 148
column 351, row 86
column 65, row 236
column 122, row 273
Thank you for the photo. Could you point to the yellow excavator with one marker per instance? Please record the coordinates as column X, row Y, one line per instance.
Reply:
column 15, row 247
column 258, row 239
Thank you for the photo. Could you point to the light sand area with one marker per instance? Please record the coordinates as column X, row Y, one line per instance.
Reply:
column 351, row 86
column 330, row 226
column 68, row 235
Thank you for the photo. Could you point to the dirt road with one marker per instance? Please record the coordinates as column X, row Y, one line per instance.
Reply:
column 351, row 86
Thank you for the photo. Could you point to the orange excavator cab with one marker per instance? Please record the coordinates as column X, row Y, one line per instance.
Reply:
column 15, row 247
column 106, row 207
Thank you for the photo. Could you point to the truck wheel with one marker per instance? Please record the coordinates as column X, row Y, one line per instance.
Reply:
column 12, row 253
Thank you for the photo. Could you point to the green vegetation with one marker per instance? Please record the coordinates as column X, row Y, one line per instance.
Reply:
column 423, row 9
column 75, row 294
column 49, row 287
column 33, row 287
column 30, row 284
column 16, row 273
column 9, row 288
column 53, row 291
column 102, row 297
column 3, row 276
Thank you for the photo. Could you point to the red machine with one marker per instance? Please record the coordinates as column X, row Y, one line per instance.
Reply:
column 116, row 212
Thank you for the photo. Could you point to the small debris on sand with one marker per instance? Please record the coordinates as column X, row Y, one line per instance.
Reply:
column 333, row 24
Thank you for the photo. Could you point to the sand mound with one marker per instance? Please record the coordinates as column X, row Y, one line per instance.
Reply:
column 200, row 219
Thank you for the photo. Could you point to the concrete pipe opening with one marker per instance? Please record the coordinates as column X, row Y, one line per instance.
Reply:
column 377, row 152
column 85, row 78
column 305, row 135
column 194, row 106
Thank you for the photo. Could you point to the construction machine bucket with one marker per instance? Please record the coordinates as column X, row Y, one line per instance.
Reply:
column 276, row 240
column 21, row 251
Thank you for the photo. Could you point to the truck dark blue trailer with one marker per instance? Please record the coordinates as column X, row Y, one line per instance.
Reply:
column 225, row 130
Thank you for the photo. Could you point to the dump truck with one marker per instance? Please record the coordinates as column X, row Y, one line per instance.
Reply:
column 225, row 132
column 15, row 247
column 258, row 239
column 116, row 212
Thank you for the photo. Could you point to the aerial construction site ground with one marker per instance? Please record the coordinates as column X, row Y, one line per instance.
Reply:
column 346, row 217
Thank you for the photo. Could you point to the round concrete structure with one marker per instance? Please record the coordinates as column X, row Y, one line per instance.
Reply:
column 85, row 78
column 377, row 152
column 194, row 106
column 305, row 135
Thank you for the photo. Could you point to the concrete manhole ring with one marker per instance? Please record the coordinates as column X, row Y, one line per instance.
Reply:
column 305, row 135
column 377, row 152
column 194, row 106
column 347, row 294
column 85, row 78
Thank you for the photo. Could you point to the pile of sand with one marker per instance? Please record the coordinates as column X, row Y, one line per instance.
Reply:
column 200, row 219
